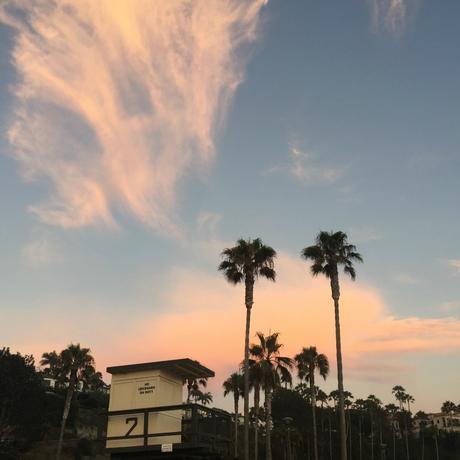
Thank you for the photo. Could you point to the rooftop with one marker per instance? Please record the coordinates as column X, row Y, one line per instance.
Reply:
column 185, row 368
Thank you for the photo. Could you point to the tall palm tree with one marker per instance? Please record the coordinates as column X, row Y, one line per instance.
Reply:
column 235, row 384
column 276, row 369
column 246, row 262
column 308, row 362
column 256, row 378
column 74, row 362
column 402, row 396
column 330, row 251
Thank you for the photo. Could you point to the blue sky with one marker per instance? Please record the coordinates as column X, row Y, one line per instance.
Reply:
column 339, row 121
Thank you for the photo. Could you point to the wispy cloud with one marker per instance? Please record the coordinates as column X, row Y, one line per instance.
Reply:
column 304, row 166
column 365, row 234
column 389, row 14
column 455, row 265
column 450, row 307
column 40, row 252
column 116, row 101
column 404, row 278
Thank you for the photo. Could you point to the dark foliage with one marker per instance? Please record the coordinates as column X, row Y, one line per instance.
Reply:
column 22, row 403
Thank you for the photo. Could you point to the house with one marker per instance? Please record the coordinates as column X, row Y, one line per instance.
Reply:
column 447, row 422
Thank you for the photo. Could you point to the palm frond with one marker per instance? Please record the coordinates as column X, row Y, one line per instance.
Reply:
column 268, row 273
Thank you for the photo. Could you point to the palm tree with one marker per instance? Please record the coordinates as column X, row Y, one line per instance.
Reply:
column 256, row 378
column 422, row 421
column 372, row 404
column 74, row 362
column 392, row 410
column 308, row 362
column 235, row 384
column 199, row 396
column 53, row 361
column 246, row 262
column 193, row 386
column 322, row 397
column 448, row 407
column 92, row 380
column 360, row 406
column 275, row 369
column 330, row 251
column 401, row 396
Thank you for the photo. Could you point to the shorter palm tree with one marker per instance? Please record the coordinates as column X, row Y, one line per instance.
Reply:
column 235, row 384
column 402, row 396
column 194, row 386
column 308, row 362
column 276, row 369
column 360, row 407
column 73, row 363
column 54, row 366
column 256, row 380
column 448, row 407
column 391, row 411
column 201, row 397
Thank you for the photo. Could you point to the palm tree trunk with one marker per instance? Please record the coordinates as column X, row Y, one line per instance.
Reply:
column 330, row 436
column 189, row 391
column 372, row 438
column 249, row 297
column 268, row 423
column 423, row 444
column 65, row 412
column 313, row 412
column 406, row 435
column 235, row 438
column 336, row 295
column 349, row 432
column 394, row 442
column 360, row 438
column 436, row 445
column 256, row 424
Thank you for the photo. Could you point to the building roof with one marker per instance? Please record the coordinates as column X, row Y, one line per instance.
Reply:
column 184, row 368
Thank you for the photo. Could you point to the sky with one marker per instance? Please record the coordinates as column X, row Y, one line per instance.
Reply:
column 138, row 139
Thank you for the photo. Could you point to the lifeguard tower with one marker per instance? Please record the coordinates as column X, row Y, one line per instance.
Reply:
column 147, row 418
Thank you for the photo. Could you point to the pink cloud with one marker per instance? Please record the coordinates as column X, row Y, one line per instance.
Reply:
column 116, row 101
column 202, row 317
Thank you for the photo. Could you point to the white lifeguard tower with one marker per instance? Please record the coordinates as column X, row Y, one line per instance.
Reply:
column 147, row 417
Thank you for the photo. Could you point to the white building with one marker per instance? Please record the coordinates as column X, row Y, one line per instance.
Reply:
column 447, row 422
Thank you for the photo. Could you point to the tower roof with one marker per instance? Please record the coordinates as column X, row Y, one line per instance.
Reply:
column 184, row 368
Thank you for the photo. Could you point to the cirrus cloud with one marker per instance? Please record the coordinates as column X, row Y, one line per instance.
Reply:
column 389, row 14
column 116, row 101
